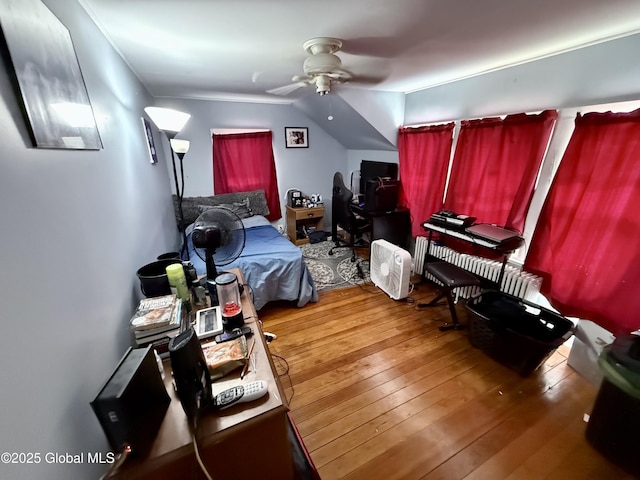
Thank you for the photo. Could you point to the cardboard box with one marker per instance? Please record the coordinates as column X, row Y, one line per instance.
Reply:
column 588, row 342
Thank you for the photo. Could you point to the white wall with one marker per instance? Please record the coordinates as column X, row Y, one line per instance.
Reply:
column 76, row 225
column 384, row 110
column 307, row 169
column 604, row 73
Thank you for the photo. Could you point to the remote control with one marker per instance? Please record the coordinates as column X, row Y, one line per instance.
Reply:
column 233, row 334
column 240, row 393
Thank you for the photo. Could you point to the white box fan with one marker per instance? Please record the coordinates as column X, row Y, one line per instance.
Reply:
column 390, row 268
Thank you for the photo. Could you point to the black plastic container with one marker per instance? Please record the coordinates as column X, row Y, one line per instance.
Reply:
column 153, row 278
column 614, row 425
column 515, row 332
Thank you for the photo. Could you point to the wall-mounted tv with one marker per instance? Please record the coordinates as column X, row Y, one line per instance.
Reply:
column 370, row 170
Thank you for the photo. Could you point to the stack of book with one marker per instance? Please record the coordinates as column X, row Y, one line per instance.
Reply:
column 156, row 321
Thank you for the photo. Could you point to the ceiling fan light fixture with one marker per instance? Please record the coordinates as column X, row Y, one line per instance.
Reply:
column 321, row 63
column 323, row 85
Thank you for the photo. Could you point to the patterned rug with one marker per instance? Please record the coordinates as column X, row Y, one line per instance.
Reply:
column 334, row 271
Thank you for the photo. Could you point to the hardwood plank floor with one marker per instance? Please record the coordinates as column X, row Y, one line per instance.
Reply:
column 378, row 392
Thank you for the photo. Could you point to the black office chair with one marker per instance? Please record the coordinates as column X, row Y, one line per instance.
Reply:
column 451, row 277
column 342, row 216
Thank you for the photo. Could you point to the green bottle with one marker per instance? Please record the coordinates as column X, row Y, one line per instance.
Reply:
column 178, row 283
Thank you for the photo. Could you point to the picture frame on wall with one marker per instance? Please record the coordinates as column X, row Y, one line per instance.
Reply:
column 47, row 76
column 296, row 137
column 151, row 146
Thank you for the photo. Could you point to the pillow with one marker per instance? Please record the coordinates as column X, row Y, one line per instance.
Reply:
column 257, row 203
column 241, row 209
column 255, row 221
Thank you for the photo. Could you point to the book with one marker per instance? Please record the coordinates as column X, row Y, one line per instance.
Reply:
column 161, row 346
column 144, row 336
column 169, row 334
column 154, row 312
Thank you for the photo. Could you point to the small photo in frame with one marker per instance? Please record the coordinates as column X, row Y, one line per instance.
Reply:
column 296, row 137
column 153, row 155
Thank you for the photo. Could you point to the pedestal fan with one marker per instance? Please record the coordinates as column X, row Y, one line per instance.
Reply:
column 218, row 237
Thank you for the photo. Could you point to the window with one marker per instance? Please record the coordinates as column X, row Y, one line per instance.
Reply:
column 244, row 162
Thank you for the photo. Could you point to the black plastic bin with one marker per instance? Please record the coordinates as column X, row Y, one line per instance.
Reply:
column 614, row 425
column 515, row 332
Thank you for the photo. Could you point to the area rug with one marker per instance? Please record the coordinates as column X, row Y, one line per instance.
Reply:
column 334, row 271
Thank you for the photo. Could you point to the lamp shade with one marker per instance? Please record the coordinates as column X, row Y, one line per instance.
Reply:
column 168, row 120
column 180, row 146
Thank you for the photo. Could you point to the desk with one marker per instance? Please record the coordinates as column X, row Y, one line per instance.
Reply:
column 394, row 226
column 503, row 250
column 247, row 440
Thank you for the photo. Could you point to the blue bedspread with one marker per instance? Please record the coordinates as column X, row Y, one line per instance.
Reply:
column 272, row 266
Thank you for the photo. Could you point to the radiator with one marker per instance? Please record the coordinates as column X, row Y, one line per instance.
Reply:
column 515, row 281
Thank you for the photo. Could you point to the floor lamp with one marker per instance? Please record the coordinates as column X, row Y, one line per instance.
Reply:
column 171, row 122
column 180, row 147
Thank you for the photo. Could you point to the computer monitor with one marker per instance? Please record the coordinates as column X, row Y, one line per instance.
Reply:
column 370, row 170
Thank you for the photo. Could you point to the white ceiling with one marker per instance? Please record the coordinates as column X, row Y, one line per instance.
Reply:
column 238, row 49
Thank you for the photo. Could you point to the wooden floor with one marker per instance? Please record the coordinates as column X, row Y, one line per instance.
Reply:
column 378, row 392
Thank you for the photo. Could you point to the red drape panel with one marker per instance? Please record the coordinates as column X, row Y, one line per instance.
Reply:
column 495, row 167
column 587, row 242
column 244, row 162
column 423, row 157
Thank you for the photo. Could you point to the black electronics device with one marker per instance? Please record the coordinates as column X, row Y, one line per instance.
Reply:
column 190, row 373
column 449, row 219
column 132, row 403
column 294, row 199
column 492, row 233
column 233, row 334
column 381, row 195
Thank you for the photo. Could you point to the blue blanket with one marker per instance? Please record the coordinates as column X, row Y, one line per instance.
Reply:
column 272, row 266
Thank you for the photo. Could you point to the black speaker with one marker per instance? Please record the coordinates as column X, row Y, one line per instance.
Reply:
column 190, row 373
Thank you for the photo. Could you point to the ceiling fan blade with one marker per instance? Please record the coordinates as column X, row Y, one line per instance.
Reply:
column 287, row 89
column 369, row 79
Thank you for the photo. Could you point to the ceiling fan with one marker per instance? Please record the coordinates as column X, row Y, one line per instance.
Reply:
column 322, row 67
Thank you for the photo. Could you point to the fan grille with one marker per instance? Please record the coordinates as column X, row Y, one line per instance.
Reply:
column 390, row 268
column 231, row 231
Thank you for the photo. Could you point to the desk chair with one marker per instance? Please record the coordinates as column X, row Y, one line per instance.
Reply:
column 342, row 216
column 451, row 277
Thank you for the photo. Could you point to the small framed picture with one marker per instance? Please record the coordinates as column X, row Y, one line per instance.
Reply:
column 296, row 137
column 153, row 155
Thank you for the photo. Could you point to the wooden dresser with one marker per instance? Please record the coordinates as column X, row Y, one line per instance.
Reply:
column 248, row 440
column 302, row 219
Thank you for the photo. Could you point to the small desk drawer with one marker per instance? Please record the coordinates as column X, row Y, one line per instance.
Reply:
column 302, row 213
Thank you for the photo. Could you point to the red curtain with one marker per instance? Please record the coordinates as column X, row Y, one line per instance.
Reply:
column 244, row 162
column 587, row 242
column 423, row 157
column 495, row 167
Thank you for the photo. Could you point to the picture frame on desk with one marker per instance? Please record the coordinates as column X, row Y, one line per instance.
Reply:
column 296, row 137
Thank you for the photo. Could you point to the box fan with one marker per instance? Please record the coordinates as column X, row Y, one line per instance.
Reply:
column 390, row 268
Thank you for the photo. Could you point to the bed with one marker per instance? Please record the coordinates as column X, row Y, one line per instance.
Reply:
column 272, row 266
